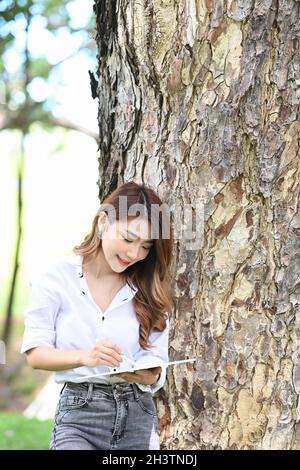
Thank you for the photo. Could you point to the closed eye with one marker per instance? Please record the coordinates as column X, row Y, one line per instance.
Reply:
column 131, row 241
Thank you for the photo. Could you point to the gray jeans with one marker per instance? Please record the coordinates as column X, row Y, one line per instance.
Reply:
column 105, row 417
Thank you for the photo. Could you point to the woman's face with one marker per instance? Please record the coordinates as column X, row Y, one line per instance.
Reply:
column 126, row 242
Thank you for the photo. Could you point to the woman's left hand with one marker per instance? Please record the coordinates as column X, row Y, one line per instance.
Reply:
column 142, row 376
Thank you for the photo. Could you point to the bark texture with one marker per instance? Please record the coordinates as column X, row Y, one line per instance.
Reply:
column 200, row 100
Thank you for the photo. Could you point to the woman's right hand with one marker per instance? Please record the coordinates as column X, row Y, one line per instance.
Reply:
column 104, row 353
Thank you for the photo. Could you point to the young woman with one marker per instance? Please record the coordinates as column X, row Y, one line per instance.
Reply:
column 104, row 308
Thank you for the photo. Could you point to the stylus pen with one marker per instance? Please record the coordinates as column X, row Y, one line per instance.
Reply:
column 182, row 361
column 127, row 359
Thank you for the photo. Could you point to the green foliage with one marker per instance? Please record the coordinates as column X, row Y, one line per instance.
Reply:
column 39, row 67
column 19, row 68
column 20, row 433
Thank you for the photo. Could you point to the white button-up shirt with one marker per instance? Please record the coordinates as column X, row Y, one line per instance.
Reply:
column 62, row 314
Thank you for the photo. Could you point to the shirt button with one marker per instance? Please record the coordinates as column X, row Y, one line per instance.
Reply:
column 103, row 318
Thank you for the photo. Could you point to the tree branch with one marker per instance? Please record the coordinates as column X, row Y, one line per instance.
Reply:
column 16, row 122
column 62, row 122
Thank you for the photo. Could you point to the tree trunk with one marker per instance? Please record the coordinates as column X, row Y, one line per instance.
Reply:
column 200, row 100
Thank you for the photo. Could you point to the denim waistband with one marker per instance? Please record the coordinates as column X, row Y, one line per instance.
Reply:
column 91, row 387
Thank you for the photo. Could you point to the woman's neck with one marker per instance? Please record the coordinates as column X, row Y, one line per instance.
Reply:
column 97, row 267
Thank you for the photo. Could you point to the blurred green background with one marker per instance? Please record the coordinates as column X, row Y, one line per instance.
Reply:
column 48, row 175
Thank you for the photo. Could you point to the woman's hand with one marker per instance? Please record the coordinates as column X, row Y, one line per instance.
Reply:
column 142, row 376
column 104, row 353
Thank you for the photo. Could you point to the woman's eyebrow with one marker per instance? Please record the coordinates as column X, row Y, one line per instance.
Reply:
column 134, row 235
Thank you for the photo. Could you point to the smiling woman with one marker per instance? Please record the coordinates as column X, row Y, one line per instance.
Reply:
column 106, row 303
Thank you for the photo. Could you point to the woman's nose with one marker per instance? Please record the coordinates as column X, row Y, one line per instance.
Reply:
column 133, row 253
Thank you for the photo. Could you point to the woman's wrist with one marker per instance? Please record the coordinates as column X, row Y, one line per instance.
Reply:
column 78, row 358
column 156, row 378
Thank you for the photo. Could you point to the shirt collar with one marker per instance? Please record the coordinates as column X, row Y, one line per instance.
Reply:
column 76, row 260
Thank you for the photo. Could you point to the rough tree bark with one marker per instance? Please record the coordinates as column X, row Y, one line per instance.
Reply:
column 200, row 99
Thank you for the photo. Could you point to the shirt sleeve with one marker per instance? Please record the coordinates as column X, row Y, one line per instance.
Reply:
column 40, row 316
column 158, row 353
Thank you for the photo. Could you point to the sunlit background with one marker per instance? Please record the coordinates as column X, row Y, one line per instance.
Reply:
column 59, row 188
column 48, row 126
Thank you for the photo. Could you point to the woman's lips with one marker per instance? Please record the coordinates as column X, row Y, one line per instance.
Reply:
column 124, row 263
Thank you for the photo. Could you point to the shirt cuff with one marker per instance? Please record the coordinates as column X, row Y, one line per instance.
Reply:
column 161, row 381
column 34, row 337
column 157, row 385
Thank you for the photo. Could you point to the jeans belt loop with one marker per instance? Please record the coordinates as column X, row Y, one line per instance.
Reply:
column 90, row 391
column 135, row 390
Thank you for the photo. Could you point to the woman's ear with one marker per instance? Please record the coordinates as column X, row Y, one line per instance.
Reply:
column 102, row 221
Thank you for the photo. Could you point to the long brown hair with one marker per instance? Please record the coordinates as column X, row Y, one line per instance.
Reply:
column 152, row 275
